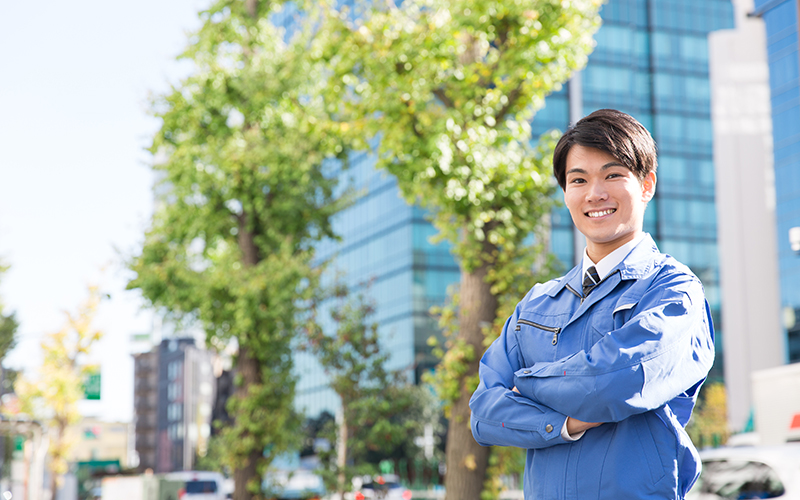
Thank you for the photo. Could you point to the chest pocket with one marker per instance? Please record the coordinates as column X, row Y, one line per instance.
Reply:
column 609, row 317
column 538, row 335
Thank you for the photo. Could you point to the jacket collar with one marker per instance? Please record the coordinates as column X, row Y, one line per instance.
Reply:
column 638, row 263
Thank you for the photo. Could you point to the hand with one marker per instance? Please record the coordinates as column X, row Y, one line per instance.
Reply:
column 574, row 426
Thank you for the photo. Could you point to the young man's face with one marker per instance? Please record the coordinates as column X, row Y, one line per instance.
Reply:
column 605, row 199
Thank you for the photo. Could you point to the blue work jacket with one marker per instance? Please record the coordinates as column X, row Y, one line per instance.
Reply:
column 633, row 354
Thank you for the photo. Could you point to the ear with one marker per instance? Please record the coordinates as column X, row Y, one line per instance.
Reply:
column 649, row 186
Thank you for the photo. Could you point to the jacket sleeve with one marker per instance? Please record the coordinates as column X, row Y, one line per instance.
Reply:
column 505, row 418
column 664, row 351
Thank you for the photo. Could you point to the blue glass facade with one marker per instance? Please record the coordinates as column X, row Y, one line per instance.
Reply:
column 781, row 23
column 651, row 61
column 385, row 253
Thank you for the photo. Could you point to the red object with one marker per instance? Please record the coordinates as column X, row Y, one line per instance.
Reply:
column 381, row 480
column 795, row 421
column 359, row 495
column 407, row 495
column 181, row 492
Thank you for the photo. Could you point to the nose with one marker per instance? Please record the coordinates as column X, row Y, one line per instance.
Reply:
column 596, row 192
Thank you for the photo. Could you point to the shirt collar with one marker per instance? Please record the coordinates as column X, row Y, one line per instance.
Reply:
column 612, row 260
column 635, row 264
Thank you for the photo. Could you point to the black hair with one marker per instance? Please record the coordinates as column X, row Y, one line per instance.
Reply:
column 614, row 132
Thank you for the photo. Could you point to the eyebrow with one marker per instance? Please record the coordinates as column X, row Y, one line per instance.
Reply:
column 608, row 165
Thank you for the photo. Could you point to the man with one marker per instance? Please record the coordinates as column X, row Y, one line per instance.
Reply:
column 596, row 373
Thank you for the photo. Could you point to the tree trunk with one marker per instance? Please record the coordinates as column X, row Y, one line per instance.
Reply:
column 53, row 485
column 59, row 445
column 248, row 367
column 247, row 244
column 341, row 458
column 466, row 459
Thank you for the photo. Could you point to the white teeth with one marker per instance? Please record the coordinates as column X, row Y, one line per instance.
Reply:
column 601, row 213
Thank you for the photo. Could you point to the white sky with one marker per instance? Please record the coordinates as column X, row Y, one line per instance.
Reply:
column 75, row 188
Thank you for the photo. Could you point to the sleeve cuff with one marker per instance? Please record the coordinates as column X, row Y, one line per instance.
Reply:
column 566, row 435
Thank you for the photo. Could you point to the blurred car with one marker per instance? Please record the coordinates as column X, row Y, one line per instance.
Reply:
column 749, row 472
column 199, row 485
column 383, row 487
column 300, row 484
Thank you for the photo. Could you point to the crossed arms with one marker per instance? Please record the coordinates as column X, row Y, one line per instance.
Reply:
column 662, row 353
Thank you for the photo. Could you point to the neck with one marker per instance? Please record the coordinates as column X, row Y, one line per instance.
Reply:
column 598, row 251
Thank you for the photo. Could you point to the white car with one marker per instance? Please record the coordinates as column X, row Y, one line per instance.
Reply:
column 749, row 472
column 293, row 485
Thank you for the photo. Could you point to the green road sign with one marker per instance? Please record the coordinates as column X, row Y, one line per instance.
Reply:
column 91, row 386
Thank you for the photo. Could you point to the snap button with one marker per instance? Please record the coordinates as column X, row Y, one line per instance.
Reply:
column 549, row 428
column 526, row 372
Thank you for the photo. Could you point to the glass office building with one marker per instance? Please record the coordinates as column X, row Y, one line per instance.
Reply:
column 781, row 23
column 651, row 61
column 385, row 254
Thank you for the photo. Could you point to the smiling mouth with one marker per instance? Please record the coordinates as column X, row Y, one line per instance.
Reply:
column 601, row 213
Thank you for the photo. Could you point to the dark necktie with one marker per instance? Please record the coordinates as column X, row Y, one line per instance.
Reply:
column 590, row 280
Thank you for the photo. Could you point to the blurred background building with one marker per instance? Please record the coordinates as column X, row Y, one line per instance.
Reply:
column 774, row 390
column 745, row 188
column 145, row 407
column 756, row 92
column 96, row 440
column 174, row 391
column 781, row 21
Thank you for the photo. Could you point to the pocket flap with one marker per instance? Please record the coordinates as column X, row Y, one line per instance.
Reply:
column 624, row 307
column 630, row 298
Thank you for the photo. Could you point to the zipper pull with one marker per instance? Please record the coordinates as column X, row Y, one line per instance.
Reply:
column 555, row 336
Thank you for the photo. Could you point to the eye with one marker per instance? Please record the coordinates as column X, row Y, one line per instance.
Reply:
column 613, row 175
column 577, row 180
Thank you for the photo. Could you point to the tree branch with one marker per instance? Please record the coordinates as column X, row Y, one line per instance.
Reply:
column 414, row 121
column 513, row 96
column 252, row 7
column 443, row 97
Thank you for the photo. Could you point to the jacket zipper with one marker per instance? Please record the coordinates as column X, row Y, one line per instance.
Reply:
column 554, row 330
column 574, row 292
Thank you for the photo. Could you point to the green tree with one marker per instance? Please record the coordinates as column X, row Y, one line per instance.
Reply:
column 380, row 408
column 53, row 395
column 243, row 196
column 8, row 331
column 709, row 423
column 8, row 325
column 212, row 460
column 449, row 87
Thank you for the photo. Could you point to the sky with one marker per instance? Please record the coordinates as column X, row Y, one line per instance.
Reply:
column 75, row 183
